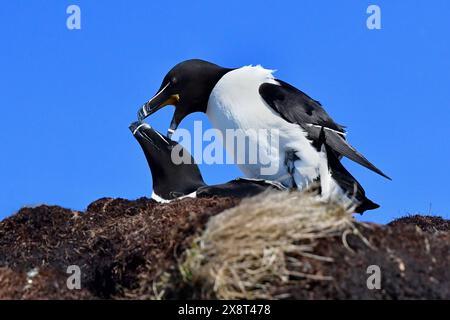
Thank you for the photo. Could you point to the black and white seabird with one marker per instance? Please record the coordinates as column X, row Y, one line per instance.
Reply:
column 250, row 98
column 174, row 181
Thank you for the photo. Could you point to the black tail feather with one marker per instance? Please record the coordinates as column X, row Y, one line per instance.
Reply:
column 340, row 145
column 366, row 205
column 344, row 179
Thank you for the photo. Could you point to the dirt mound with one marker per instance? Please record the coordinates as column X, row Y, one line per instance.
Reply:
column 134, row 249
column 294, row 246
column 38, row 284
column 426, row 223
column 413, row 265
column 117, row 243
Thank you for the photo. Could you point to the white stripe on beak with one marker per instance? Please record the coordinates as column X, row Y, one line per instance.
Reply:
column 142, row 114
column 139, row 126
column 163, row 138
column 160, row 91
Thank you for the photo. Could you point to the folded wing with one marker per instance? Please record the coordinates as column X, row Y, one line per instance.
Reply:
column 297, row 107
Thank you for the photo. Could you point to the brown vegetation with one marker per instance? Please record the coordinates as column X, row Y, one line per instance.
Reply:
column 287, row 247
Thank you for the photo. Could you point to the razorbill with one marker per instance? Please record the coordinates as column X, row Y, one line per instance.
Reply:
column 250, row 98
column 174, row 181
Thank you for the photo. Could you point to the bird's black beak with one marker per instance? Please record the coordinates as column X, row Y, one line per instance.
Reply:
column 145, row 134
column 135, row 126
column 161, row 99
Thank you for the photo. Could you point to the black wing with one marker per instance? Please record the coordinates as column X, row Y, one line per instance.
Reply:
column 297, row 107
column 239, row 188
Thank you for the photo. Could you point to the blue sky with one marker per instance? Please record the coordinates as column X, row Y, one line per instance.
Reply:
column 67, row 97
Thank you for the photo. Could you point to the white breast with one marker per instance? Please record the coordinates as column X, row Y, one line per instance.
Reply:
column 235, row 103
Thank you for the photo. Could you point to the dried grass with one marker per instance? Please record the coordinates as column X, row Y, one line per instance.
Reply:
column 247, row 250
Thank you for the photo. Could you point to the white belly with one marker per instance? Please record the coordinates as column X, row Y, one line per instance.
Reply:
column 235, row 103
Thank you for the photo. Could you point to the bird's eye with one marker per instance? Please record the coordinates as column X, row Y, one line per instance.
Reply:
column 174, row 80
